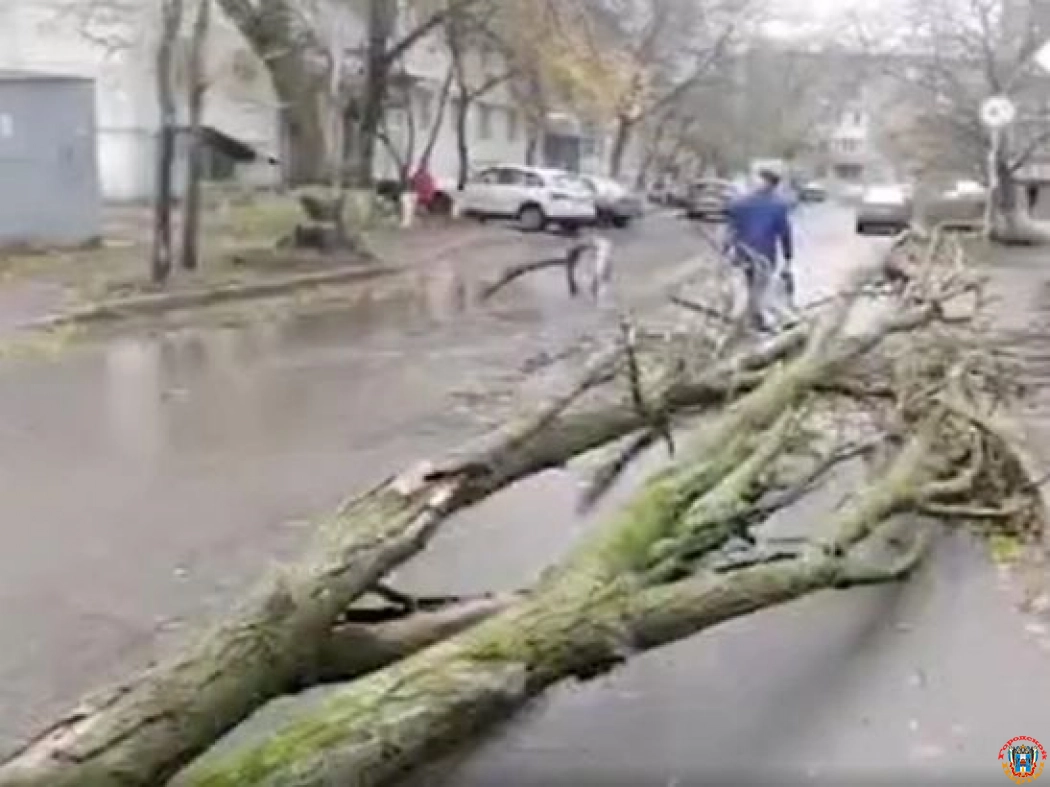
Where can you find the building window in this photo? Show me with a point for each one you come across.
(484, 121)
(512, 125)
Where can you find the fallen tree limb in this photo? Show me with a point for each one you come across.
(141, 733)
(703, 477)
(353, 649)
(373, 731)
(283, 636)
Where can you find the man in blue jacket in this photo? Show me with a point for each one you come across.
(759, 228)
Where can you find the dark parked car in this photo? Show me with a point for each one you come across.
(709, 199)
(961, 206)
(814, 191)
(885, 208)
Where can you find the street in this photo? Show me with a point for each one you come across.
(146, 482)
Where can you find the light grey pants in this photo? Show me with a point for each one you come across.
(758, 272)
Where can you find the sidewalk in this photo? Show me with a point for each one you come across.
(46, 288)
(1019, 284)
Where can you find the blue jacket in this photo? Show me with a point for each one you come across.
(759, 222)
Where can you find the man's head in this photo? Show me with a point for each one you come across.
(768, 181)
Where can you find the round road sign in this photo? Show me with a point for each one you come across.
(998, 112)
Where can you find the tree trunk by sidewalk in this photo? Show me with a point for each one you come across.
(622, 138)
(164, 197)
(284, 45)
(436, 124)
(196, 88)
(1013, 222)
(462, 110)
(381, 20)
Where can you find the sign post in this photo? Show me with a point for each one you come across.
(997, 113)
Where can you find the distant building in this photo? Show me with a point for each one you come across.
(49, 192)
(41, 36)
(243, 117)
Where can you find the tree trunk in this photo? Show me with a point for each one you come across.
(437, 123)
(164, 198)
(653, 152)
(462, 144)
(308, 148)
(197, 78)
(534, 135)
(621, 140)
(451, 693)
(1012, 222)
(377, 75)
(287, 49)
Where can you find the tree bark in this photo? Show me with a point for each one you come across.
(276, 34)
(437, 123)
(532, 144)
(462, 145)
(164, 198)
(380, 18)
(624, 128)
(454, 42)
(448, 694)
(197, 85)
(308, 148)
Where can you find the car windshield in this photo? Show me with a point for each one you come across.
(712, 188)
(568, 182)
(886, 195)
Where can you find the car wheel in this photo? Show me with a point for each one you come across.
(531, 218)
(621, 222)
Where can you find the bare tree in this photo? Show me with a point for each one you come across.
(946, 59)
(294, 51)
(197, 85)
(164, 197)
(437, 121)
(670, 47)
(468, 37)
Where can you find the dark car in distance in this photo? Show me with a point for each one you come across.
(885, 208)
(709, 199)
(814, 191)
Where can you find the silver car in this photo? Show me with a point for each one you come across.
(615, 204)
(884, 208)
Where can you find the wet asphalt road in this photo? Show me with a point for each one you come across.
(143, 483)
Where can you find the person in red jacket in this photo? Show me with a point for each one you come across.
(424, 186)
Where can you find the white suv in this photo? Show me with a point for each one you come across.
(532, 195)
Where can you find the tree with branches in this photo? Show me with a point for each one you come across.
(669, 47)
(946, 59)
(196, 87)
(292, 46)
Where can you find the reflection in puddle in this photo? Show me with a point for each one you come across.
(134, 400)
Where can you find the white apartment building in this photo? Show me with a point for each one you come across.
(117, 50)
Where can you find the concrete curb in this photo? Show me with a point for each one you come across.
(142, 305)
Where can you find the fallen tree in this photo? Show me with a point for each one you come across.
(660, 569)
